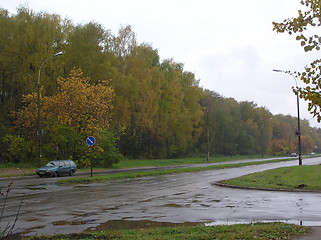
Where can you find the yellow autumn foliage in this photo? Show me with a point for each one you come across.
(79, 104)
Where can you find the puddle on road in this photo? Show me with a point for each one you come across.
(129, 224)
(173, 205)
(199, 196)
(42, 186)
(111, 208)
(205, 205)
(91, 215)
(71, 223)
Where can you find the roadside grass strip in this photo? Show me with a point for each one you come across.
(177, 161)
(297, 178)
(135, 175)
(259, 231)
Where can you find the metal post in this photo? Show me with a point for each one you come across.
(39, 129)
(208, 136)
(91, 161)
(262, 135)
(299, 130)
(298, 133)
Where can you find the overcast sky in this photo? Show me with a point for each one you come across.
(229, 45)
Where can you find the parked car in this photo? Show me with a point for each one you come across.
(293, 155)
(57, 168)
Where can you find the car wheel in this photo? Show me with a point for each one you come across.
(55, 174)
(72, 172)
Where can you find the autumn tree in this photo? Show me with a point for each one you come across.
(78, 104)
(180, 112)
(26, 39)
(281, 146)
(87, 49)
(157, 107)
(307, 144)
(302, 27)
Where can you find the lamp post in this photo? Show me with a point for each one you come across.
(39, 130)
(208, 136)
(298, 132)
(262, 135)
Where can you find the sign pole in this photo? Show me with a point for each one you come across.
(91, 161)
(91, 142)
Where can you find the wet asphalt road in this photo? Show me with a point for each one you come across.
(189, 197)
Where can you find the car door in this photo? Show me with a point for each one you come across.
(67, 167)
(62, 168)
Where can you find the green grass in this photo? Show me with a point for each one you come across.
(259, 231)
(290, 178)
(130, 175)
(177, 161)
(17, 165)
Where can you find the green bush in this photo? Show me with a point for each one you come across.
(110, 154)
(18, 150)
(64, 142)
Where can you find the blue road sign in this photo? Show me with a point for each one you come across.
(90, 141)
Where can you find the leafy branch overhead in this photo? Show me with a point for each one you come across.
(302, 25)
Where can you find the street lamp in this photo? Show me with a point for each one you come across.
(39, 131)
(208, 135)
(262, 135)
(298, 132)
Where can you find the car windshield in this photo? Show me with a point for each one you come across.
(50, 164)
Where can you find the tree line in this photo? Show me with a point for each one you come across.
(110, 86)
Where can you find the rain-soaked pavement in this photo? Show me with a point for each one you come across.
(179, 198)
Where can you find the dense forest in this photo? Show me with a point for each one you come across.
(120, 91)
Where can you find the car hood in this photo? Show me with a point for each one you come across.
(44, 168)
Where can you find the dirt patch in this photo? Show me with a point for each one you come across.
(15, 171)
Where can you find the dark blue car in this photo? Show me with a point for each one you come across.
(57, 168)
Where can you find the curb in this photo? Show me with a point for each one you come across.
(220, 184)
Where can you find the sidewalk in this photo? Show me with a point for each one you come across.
(314, 235)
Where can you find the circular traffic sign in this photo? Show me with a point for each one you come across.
(90, 141)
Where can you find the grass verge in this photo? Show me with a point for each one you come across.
(179, 161)
(286, 178)
(260, 231)
(11, 170)
(130, 175)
